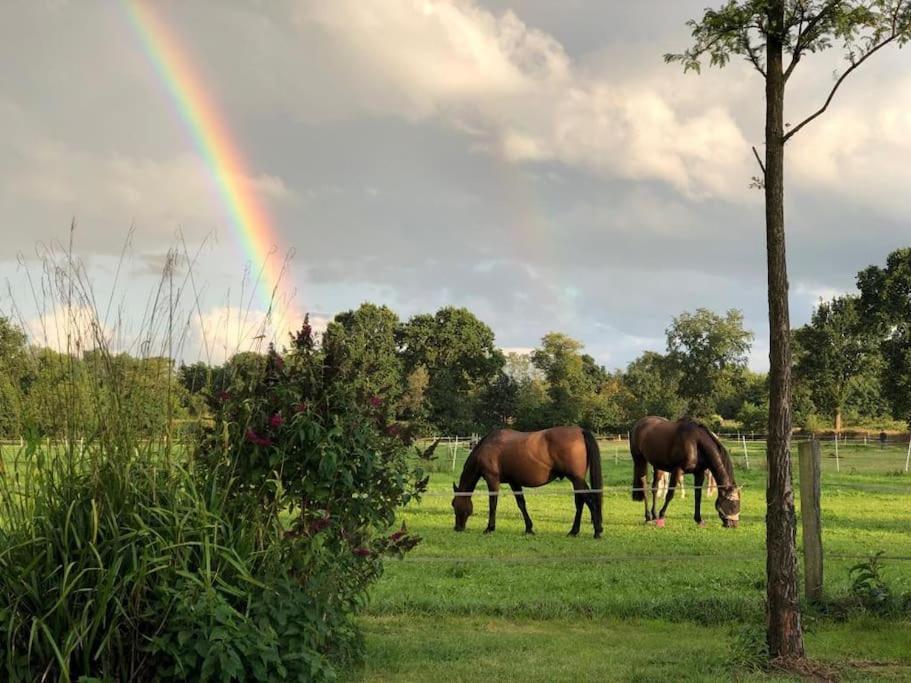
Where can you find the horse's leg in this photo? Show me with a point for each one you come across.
(656, 475)
(578, 485)
(670, 493)
(493, 486)
(591, 500)
(520, 501)
(698, 479)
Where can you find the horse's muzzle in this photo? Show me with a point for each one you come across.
(729, 523)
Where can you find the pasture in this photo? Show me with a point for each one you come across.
(642, 602)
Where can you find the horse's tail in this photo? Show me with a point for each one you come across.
(640, 468)
(593, 455)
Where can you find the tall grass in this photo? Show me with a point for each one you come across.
(103, 531)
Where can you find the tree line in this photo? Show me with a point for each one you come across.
(444, 373)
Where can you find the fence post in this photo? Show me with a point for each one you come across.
(837, 462)
(810, 461)
(455, 451)
(746, 455)
(908, 457)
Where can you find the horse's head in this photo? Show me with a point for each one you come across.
(728, 505)
(462, 507)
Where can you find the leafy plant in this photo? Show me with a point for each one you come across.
(869, 586)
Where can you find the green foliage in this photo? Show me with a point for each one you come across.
(753, 417)
(749, 649)
(460, 356)
(869, 586)
(838, 358)
(653, 385)
(740, 28)
(885, 300)
(360, 352)
(243, 559)
(708, 351)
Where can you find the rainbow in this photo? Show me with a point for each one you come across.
(209, 130)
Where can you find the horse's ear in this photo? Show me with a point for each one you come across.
(455, 489)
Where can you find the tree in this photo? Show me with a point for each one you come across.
(709, 351)
(569, 375)
(14, 374)
(839, 354)
(461, 358)
(763, 32)
(652, 385)
(885, 303)
(360, 350)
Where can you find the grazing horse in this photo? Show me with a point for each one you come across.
(521, 459)
(684, 446)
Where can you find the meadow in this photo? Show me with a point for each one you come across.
(641, 603)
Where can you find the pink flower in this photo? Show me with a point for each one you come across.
(300, 408)
(376, 401)
(397, 535)
(393, 430)
(256, 439)
(362, 552)
(276, 420)
(223, 396)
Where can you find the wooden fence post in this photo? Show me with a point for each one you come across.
(810, 460)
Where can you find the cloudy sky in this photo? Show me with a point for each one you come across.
(535, 161)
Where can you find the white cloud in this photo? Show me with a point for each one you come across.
(221, 332)
(516, 89)
(69, 329)
(860, 148)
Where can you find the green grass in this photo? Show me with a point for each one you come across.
(456, 649)
(660, 602)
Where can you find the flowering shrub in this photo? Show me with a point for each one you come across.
(320, 475)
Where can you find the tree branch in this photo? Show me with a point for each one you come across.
(819, 112)
(800, 44)
(759, 161)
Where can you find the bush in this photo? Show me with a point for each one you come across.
(242, 558)
(753, 417)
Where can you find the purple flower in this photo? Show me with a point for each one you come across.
(319, 524)
(376, 401)
(362, 552)
(223, 396)
(256, 439)
(397, 535)
(276, 420)
(300, 408)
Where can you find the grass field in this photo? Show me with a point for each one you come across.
(640, 603)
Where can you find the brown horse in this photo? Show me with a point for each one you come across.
(521, 459)
(684, 446)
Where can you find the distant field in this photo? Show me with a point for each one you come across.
(639, 604)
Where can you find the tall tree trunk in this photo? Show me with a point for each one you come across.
(838, 420)
(784, 634)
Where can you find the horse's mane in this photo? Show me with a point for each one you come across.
(472, 455)
(727, 463)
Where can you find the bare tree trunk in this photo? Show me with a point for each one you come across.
(784, 633)
(838, 420)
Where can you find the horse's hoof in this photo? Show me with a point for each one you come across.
(597, 534)
(659, 523)
(701, 525)
(488, 530)
(573, 532)
(529, 532)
